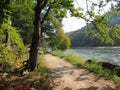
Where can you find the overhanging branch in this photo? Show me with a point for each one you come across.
(45, 15)
(43, 4)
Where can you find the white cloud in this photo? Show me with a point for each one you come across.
(72, 24)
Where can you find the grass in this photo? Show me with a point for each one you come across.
(71, 57)
(94, 66)
(41, 75)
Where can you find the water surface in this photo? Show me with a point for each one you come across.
(111, 54)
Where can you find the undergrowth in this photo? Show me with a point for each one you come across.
(11, 59)
(41, 76)
(95, 66)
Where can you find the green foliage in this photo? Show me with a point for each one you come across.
(41, 74)
(101, 29)
(2, 34)
(60, 41)
(22, 18)
(70, 56)
(116, 31)
(104, 36)
(10, 58)
(41, 67)
(116, 78)
(97, 68)
(60, 8)
(102, 33)
(51, 24)
(14, 36)
(58, 53)
(4, 10)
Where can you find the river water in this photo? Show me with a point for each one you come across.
(111, 54)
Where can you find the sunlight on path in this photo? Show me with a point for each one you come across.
(69, 77)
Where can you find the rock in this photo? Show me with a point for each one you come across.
(89, 61)
(112, 67)
(107, 65)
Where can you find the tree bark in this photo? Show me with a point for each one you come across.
(7, 41)
(35, 39)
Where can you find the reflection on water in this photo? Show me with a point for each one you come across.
(111, 54)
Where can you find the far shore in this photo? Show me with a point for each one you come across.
(96, 47)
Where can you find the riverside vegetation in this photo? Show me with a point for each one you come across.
(94, 66)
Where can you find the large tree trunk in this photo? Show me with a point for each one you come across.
(37, 33)
(35, 39)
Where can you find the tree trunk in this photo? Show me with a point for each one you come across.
(7, 41)
(35, 40)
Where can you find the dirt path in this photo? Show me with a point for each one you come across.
(69, 77)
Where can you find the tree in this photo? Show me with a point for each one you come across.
(8, 33)
(22, 15)
(100, 27)
(4, 14)
(14, 38)
(4, 10)
(59, 41)
(116, 31)
(59, 8)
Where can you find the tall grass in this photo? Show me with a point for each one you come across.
(41, 76)
(70, 56)
(41, 67)
(94, 66)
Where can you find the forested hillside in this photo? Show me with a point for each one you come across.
(81, 37)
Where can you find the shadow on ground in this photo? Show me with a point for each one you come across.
(24, 83)
(60, 71)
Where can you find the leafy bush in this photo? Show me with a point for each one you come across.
(10, 57)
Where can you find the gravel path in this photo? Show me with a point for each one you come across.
(69, 77)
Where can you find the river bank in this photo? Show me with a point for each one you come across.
(93, 67)
(109, 54)
(66, 76)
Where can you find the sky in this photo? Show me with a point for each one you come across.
(73, 23)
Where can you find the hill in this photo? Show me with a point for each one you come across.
(80, 37)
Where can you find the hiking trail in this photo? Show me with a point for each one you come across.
(69, 77)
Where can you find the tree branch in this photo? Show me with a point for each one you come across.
(45, 15)
(43, 4)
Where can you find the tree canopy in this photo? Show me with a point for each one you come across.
(59, 41)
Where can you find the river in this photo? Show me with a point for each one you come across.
(110, 54)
